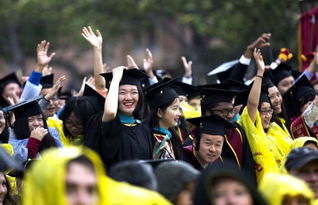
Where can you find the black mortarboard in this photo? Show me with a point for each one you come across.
(26, 109)
(267, 80)
(263, 96)
(90, 92)
(11, 78)
(65, 95)
(160, 93)
(130, 77)
(217, 95)
(211, 124)
(236, 85)
(282, 71)
(183, 89)
(47, 81)
(223, 72)
(300, 93)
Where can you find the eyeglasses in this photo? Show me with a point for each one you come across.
(265, 112)
(225, 112)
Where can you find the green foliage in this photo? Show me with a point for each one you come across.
(235, 23)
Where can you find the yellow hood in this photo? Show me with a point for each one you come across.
(275, 186)
(300, 142)
(43, 184)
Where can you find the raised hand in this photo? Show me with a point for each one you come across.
(131, 62)
(95, 39)
(118, 72)
(260, 42)
(187, 67)
(38, 133)
(90, 81)
(259, 60)
(106, 68)
(43, 58)
(148, 62)
(57, 85)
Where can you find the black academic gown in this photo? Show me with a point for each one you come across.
(115, 142)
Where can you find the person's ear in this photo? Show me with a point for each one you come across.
(159, 113)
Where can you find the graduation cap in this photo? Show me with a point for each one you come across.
(64, 95)
(26, 108)
(211, 124)
(236, 85)
(47, 81)
(160, 93)
(216, 95)
(130, 77)
(90, 92)
(11, 78)
(183, 89)
(281, 71)
(223, 71)
(299, 94)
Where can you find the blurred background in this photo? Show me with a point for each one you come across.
(208, 32)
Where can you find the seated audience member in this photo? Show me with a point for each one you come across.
(279, 189)
(176, 181)
(224, 183)
(74, 175)
(303, 163)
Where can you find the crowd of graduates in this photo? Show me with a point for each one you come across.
(135, 135)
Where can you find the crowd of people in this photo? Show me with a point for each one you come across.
(135, 135)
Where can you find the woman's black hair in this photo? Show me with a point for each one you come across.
(196, 137)
(83, 108)
(153, 122)
(140, 110)
(4, 136)
(183, 127)
(152, 119)
(22, 131)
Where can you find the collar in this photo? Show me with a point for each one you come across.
(126, 119)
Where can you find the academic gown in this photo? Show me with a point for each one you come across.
(115, 142)
(238, 151)
(174, 144)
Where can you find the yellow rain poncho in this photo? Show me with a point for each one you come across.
(267, 153)
(300, 142)
(44, 182)
(275, 187)
(58, 125)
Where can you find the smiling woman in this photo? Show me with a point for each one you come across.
(117, 133)
(164, 116)
(269, 142)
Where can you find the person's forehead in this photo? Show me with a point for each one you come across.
(224, 105)
(209, 137)
(313, 164)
